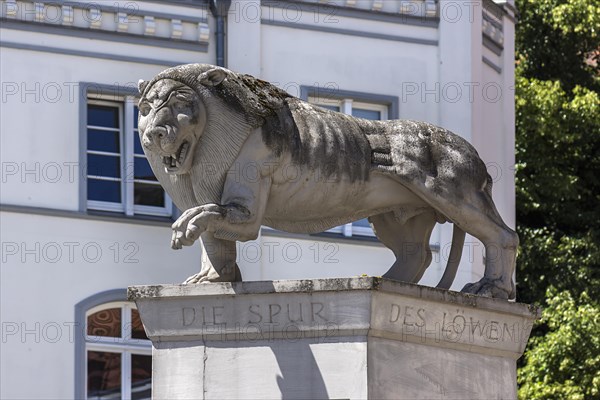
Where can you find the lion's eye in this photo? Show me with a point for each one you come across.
(183, 96)
(144, 109)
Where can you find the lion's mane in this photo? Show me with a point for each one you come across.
(256, 99)
(239, 103)
(330, 142)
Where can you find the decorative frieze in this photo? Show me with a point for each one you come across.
(420, 8)
(406, 7)
(377, 5)
(95, 18)
(431, 8)
(203, 32)
(416, 8)
(149, 25)
(39, 12)
(176, 29)
(67, 15)
(10, 7)
(110, 17)
(492, 29)
(491, 24)
(123, 22)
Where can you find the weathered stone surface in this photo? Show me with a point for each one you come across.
(400, 370)
(236, 153)
(331, 338)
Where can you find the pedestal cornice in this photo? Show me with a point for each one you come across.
(329, 309)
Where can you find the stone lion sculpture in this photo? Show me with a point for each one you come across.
(200, 125)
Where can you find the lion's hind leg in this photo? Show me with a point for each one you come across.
(485, 223)
(473, 210)
(409, 240)
(218, 261)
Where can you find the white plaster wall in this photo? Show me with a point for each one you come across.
(367, 65)
(494, 142)
(40, 129)
(243, 37)
(104, 46)
(40, 168)
(303, 257)
(280, 256)
(508, 203)
(40, 286)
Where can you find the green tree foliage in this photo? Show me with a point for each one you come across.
(556, 37)
(565, 362)
(558, 188)
(558, 194)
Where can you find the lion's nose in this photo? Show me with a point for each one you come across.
(154, 136)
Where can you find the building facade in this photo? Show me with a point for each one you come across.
(82, 216)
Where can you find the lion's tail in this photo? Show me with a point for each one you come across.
(458, 241)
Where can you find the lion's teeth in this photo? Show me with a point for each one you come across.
(183, 153)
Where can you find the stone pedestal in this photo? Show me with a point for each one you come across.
(351, 338)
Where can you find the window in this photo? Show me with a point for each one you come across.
(118, 354)
(360, 109)
(119, 177)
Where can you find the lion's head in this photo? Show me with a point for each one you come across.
(194, 120)
(176, 106)
(173, 117)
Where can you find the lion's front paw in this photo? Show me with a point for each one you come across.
(196, 278)
(488, 288)
(180, 239)
(200, 223)
(192, 223)
(230, 272)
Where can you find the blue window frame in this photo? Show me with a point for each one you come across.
(119, 177)
(113, 356)
(360, 109)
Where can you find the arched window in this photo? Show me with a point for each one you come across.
(115, 355)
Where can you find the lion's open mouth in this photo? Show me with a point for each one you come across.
(176, 160)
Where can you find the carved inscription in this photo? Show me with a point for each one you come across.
(455, 326)
(410, 316)
(309, 312)
(290, 312)
(261, 321)
(212, 315)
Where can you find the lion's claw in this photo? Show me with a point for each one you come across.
(230, 272)
(192, 223)
(196, 278)
(488, 288)
(199, 224)
(178, 240)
